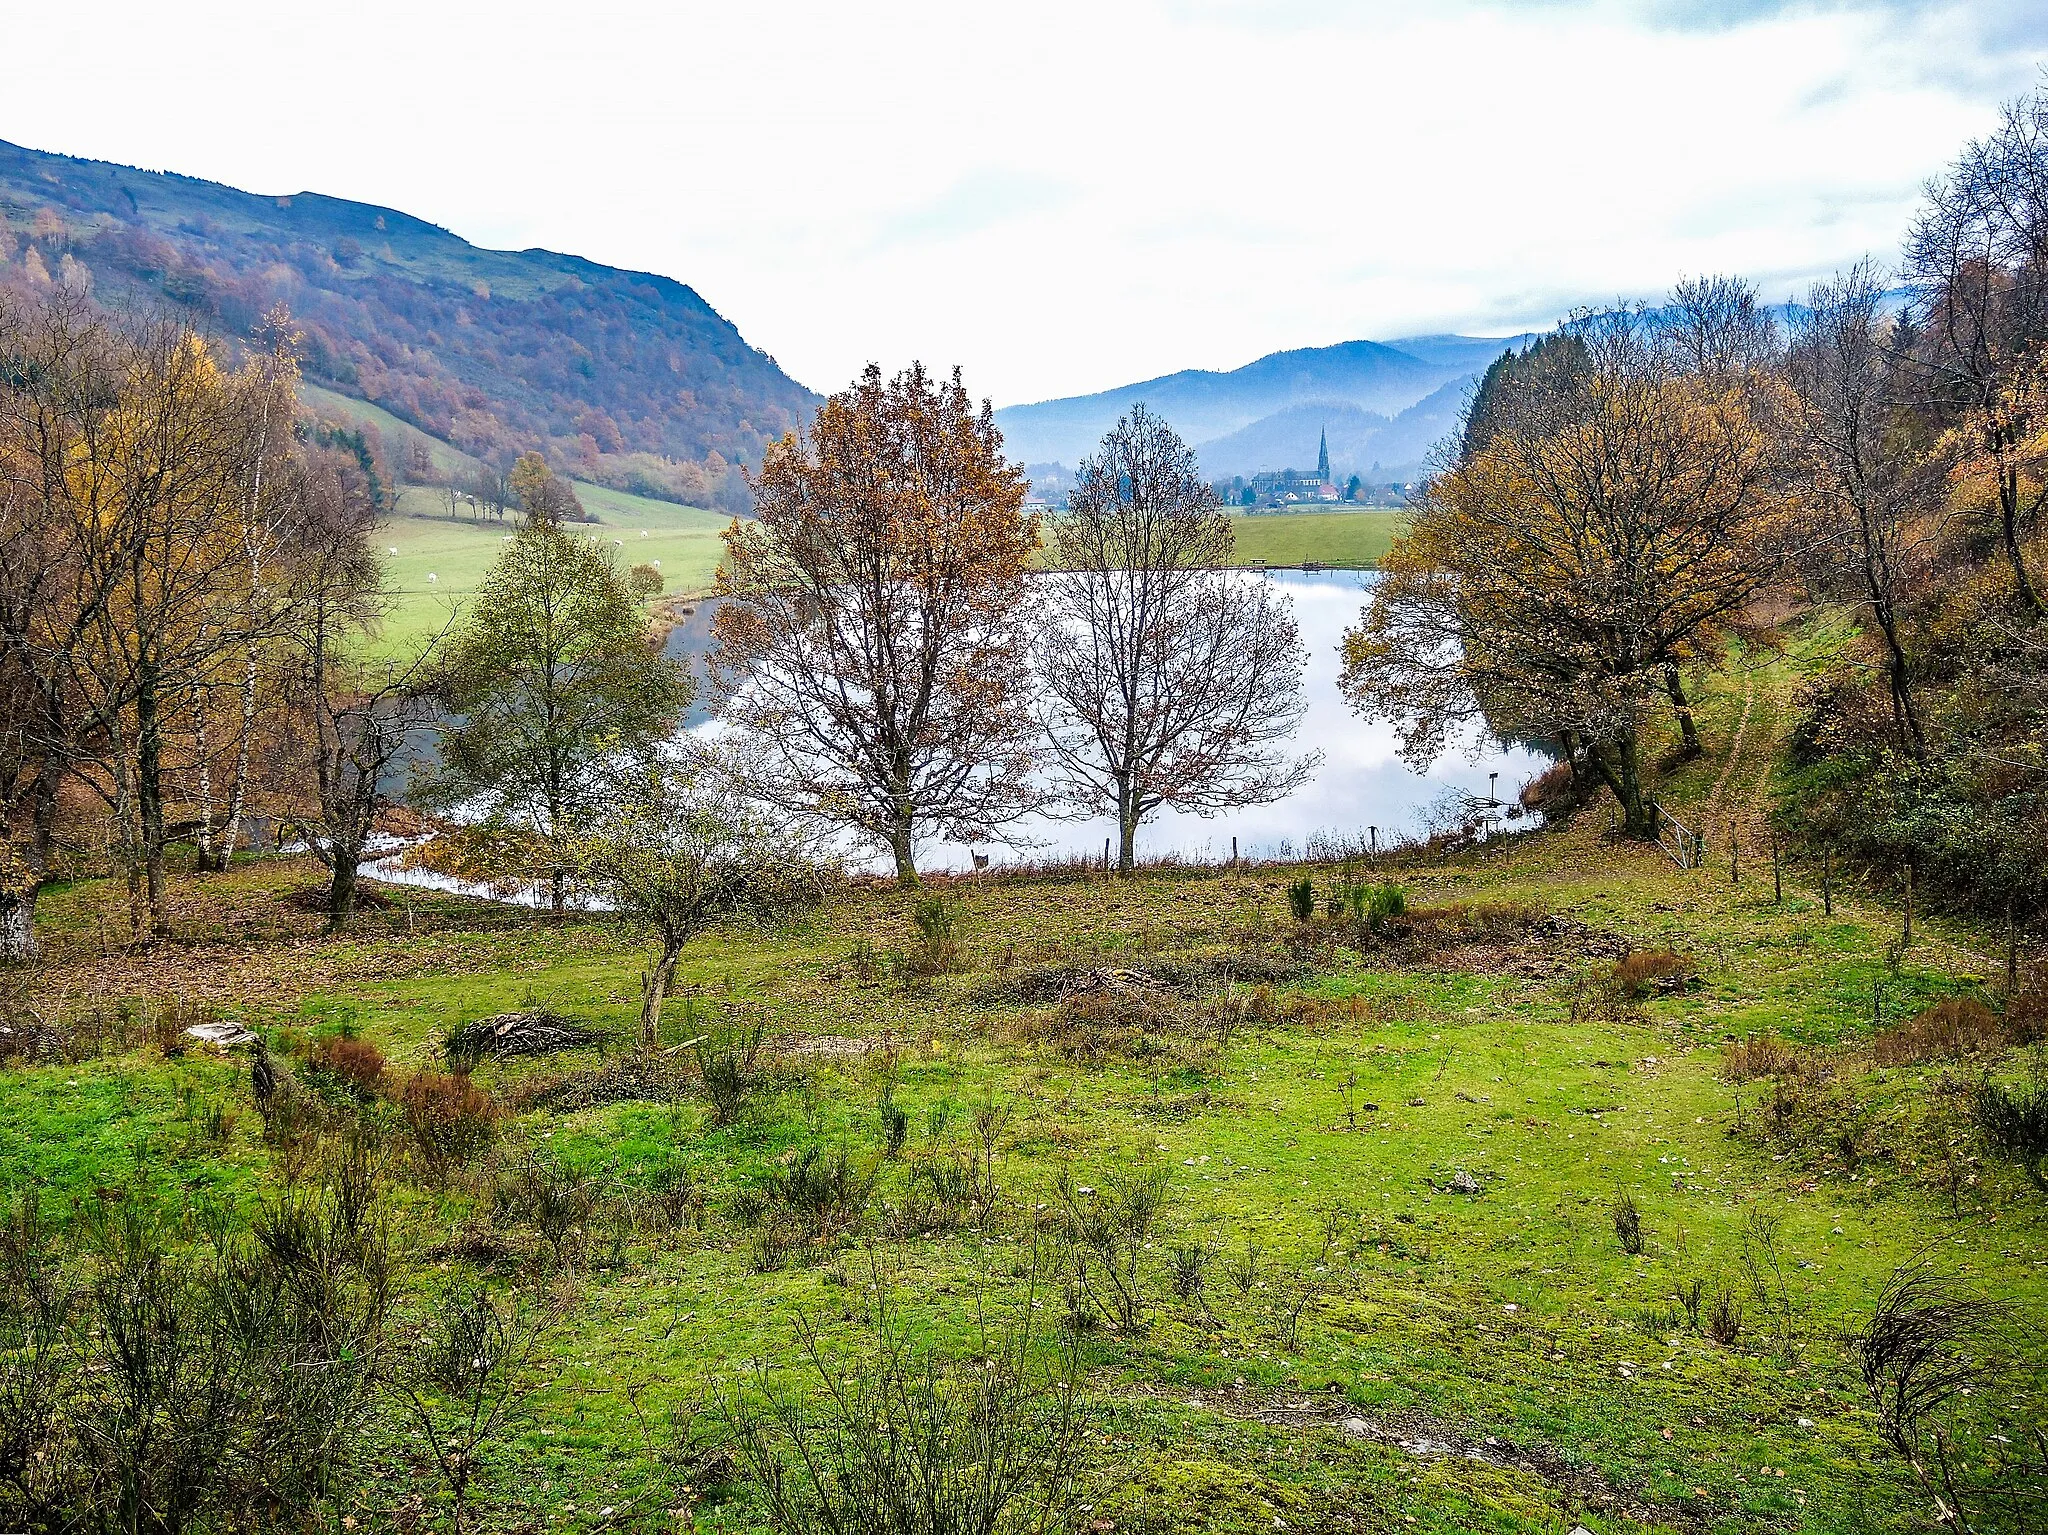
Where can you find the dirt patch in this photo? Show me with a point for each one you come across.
(1426, 1436)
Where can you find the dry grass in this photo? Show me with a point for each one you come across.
(1948, 1031)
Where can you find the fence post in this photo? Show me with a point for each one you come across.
(1734, 859)
(2012, 953)
(1233, 852)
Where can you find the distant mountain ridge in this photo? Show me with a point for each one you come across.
(1384, 403)
(626, 378)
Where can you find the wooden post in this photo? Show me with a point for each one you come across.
(2012, 954)
(1105, 856)
(1777, 875)
(1374, 831)
(1827, 888)
(1734, 859)
(1876, 1006)
(1233, 852)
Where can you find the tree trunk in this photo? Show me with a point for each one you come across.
(906, 861)
(555, 885)
(1621, 767)
(1688, 732)
(149, 802)
(341, 891)
(18, 923)
(238, 789)
(654, 983)
(1126, 830)
(202, 746)
(2009, 517)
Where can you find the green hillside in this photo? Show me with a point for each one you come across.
(493, 351)
(436, 551)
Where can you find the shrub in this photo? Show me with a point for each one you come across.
(1724, 1318)
(1952, 1028)
(2014, 1121)
(450, 1118)
(1301, 899)
(937, 921)
(216, 1383)
(899, 1442)
(1109, 1230)
(1756, 1055)
(1654, 972)
(811, 1199)
(355, 1063)
(1628, 1224)
(728, 1057)
(1188, 1265)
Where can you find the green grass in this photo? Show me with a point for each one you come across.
(1357, 539)
(422, 538)
(1513, 1314)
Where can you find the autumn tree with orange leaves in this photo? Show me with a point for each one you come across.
(1608, 533)
(871, 649)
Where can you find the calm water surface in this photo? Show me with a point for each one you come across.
(1362, 781)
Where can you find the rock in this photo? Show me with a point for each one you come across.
(1357, 1428)
(226, 1035)
(1463, 1182)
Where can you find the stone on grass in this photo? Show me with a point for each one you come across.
(1463, 1182)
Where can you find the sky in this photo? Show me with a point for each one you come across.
(1066, 195)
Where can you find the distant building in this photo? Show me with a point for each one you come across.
(1292, 487)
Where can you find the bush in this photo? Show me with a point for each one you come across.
(2014, 1121)
(211, 1378)
(355, 1063)
(1760, 1055)
(813, 1198)
(1108, 1230)
(1301, 899)
(449, 1117)
(1949, 1030)
(728, 1057)
(1628, 1224)
(937, 920)
(899, 1442)
(1654, 972)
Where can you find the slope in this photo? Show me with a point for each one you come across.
(628, 379)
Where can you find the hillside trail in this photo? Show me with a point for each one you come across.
(1738, 810)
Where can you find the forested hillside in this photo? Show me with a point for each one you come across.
(624, 378)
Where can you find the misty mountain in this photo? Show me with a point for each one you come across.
(625, 378)
(1204, 405)
(1361, 442)
(1251, 418)
(1471, 354)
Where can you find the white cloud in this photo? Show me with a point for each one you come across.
(1075, 193)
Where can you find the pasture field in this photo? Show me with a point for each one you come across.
(1396, 1160)
(435, 556)
(1353, 539)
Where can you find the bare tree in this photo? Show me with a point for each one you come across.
(871, 650)
(1977, 262)
(1879, 525)
(680, 849)
(357, 720)
(1168, 680)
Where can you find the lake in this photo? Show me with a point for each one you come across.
(1362, 781)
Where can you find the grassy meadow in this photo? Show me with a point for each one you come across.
(1369, 1349)
(435, 553)
(1354, 539)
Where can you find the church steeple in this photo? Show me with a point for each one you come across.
(1323, 458)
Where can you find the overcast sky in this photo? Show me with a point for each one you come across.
(1065, 195)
